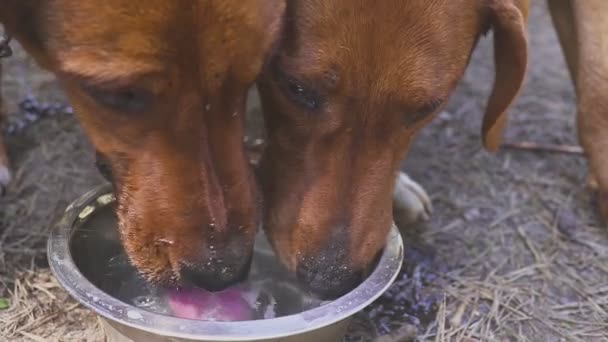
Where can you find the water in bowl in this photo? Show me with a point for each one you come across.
(269, 291)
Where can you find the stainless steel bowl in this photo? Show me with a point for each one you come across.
(80, 265)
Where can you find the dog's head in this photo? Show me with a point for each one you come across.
(352, 83)
(160, 89)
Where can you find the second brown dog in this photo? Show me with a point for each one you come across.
(353, 83)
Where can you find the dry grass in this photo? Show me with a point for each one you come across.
(37, 304)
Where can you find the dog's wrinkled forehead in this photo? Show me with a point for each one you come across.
(124, 35)
(392, 43)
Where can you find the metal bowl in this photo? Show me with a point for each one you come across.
(80, 264)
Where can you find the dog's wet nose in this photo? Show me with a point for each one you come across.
(214, 278)
(328, 278)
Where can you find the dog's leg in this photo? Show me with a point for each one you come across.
(582, 27)
(411, 203)
(5, 175)
(563, 21)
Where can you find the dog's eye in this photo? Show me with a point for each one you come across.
(423, 112)
(124, 100)
(298, 92)
(301, 94)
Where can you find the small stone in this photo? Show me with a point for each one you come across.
(567, 222)
(445, 116)
(471, 214)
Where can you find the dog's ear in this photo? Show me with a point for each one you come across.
(22, 19)
(508, 19)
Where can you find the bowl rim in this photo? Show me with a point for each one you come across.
(85, 292)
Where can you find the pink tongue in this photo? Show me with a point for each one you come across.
(199, 304)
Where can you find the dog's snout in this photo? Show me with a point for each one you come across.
(329, 274)
(215, 270)
(214, 278)
(328, 280)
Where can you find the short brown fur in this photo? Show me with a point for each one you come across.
(186, 195)
(328, 173)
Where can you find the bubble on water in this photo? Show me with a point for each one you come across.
(144, 301)
(134, 315)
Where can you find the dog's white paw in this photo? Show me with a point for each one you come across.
(411, 203)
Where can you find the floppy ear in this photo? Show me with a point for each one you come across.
(508, 20)
(22, 20)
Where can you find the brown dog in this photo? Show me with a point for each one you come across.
(160, 89)
(353, 82)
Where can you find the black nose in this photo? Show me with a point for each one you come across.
(214, 278)
(328, 278)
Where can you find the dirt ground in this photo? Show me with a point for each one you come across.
(514, 250)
